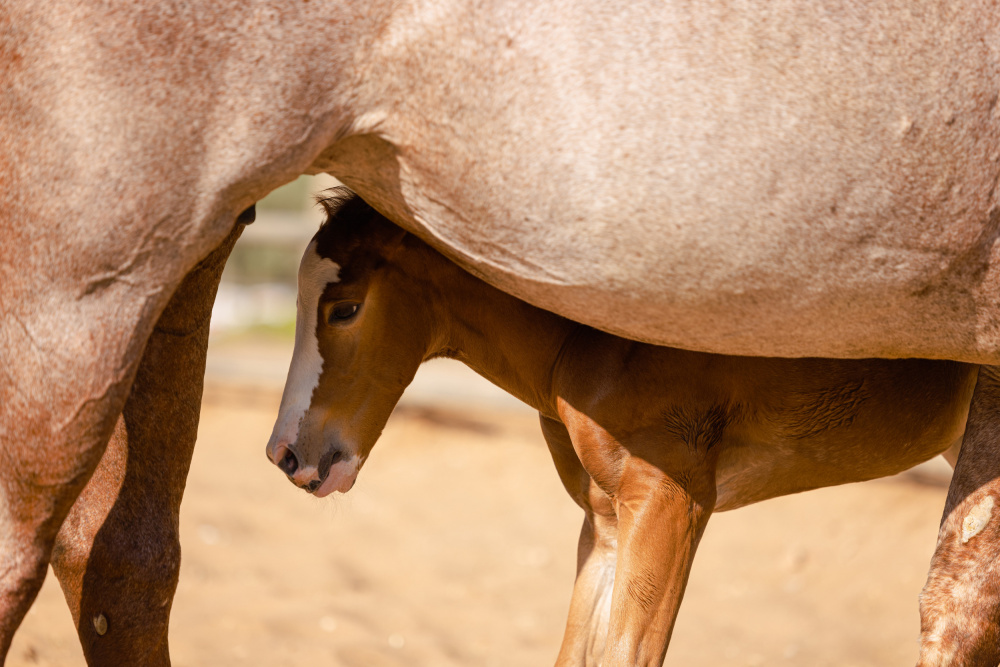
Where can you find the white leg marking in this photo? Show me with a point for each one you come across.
(977, 518)
(315, 273)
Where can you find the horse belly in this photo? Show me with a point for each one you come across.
(767, 180)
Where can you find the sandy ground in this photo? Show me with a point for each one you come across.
(457, 548)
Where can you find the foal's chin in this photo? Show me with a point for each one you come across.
(341, 477)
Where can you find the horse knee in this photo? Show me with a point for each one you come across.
(119, 584)
(960, 603)
(111, 561)
(31, 511)
(121, 561)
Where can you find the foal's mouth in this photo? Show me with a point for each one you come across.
(339, 473)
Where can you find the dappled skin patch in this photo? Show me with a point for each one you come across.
(643, 588)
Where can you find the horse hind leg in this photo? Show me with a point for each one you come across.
(118, 553)
(960, 603)
(57, 412)
(78, 310)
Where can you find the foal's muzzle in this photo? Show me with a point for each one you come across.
(307, 478)
(289, 463)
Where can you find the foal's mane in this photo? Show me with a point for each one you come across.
(341, 205)
(332, 199)
(350, 224)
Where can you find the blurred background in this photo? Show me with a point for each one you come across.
(457, 545)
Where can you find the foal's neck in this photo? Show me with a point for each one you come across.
(511, 343)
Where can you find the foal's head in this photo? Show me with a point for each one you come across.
(364, 325)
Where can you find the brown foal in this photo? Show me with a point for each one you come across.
(648, 440)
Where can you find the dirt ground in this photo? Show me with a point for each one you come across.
(457, 548)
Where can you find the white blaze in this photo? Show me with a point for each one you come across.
(315, 273)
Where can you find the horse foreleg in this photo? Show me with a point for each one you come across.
(35, 500)
(960, 603)
(117, 555)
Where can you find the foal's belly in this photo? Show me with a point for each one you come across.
(897, 431)
(743, 482)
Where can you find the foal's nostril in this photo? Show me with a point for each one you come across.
(288, 464)
(337, 456)
(312, 486)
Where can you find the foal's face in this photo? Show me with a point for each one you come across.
(361, 331)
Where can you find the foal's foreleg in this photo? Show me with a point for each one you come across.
(960, 604)
(663, 491)
(118, 553)
(661, 518)
(590, 607)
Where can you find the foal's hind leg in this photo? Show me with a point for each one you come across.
(118, 553)
(590, 607)
(960, 604)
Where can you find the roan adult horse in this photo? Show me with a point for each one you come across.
(765, 178)
(648, 440)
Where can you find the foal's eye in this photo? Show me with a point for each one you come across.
(342, 311)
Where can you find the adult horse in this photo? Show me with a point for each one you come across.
(779, 179)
